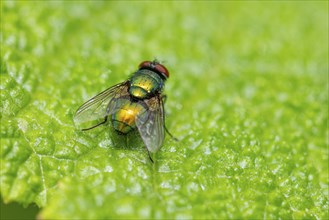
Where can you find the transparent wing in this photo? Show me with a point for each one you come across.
(150, 124)
(98, 107)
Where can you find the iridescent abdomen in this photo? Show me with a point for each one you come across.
(124, 116)
(145, 83)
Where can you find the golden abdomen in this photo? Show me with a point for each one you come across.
(125, 113)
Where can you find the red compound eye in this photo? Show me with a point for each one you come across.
(162, 69)
(155, 66)
(145, 64)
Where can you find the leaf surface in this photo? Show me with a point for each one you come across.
(246, 97)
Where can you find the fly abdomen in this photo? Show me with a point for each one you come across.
(122, 127)
(124, 116)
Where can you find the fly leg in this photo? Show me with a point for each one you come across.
(149, 155)
(172, 136)
(164, 98)
(103, 122)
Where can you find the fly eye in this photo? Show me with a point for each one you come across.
(145, 64)
(162, 69)
(154, 65)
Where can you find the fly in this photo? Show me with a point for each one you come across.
(137, 103)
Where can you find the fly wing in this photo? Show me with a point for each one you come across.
(150, 124)
(99, 106)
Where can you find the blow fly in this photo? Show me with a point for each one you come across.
(137, 103)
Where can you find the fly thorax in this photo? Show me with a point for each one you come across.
(144, 83)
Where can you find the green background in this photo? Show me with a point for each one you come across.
(247, 97)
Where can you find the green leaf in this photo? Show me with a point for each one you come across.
(247, 97)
